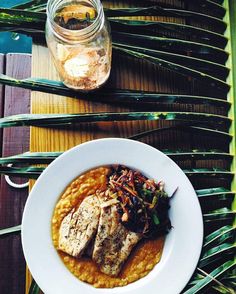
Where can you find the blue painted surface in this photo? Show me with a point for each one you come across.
(22, 44)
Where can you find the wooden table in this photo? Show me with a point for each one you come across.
(127, 73)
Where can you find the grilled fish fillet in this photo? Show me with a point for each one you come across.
(113, 242)
(79, 227)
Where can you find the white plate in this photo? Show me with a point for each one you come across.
(182, 245)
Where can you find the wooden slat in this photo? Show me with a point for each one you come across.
(16, 101)
(12, 201)
(2, 65)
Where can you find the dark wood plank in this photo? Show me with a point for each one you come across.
(2, 66)
(12, 201)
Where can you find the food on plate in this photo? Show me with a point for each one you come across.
(113, 242)
(79, 227)
(109, 225)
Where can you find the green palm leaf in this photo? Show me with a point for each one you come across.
(212, 200)
(216, 253)
(210, 68)
(221, 214)
(208, 172)
(219, 271)
(223, 289)
(34, 172)
(68, 119)
(219, 236)
(171, 53)
(198, 50)
(162, 29)
(22, 18)
(34, 288)
(212, 82)
(184, 128)
(33, 24)
(218, 1)
(156, 10)
(177, 46)
(23, 172)
(30, 5)
(31, 158)
(197, 154)
(213, 191)
(216, 283)
(47, 157)
(11, 230)
(230, 280)
(111, 95)
(36, 8)
(212, 8)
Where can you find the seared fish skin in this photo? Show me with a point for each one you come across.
(79, 227)
(113, 242)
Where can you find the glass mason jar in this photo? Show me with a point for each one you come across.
(81, 44)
